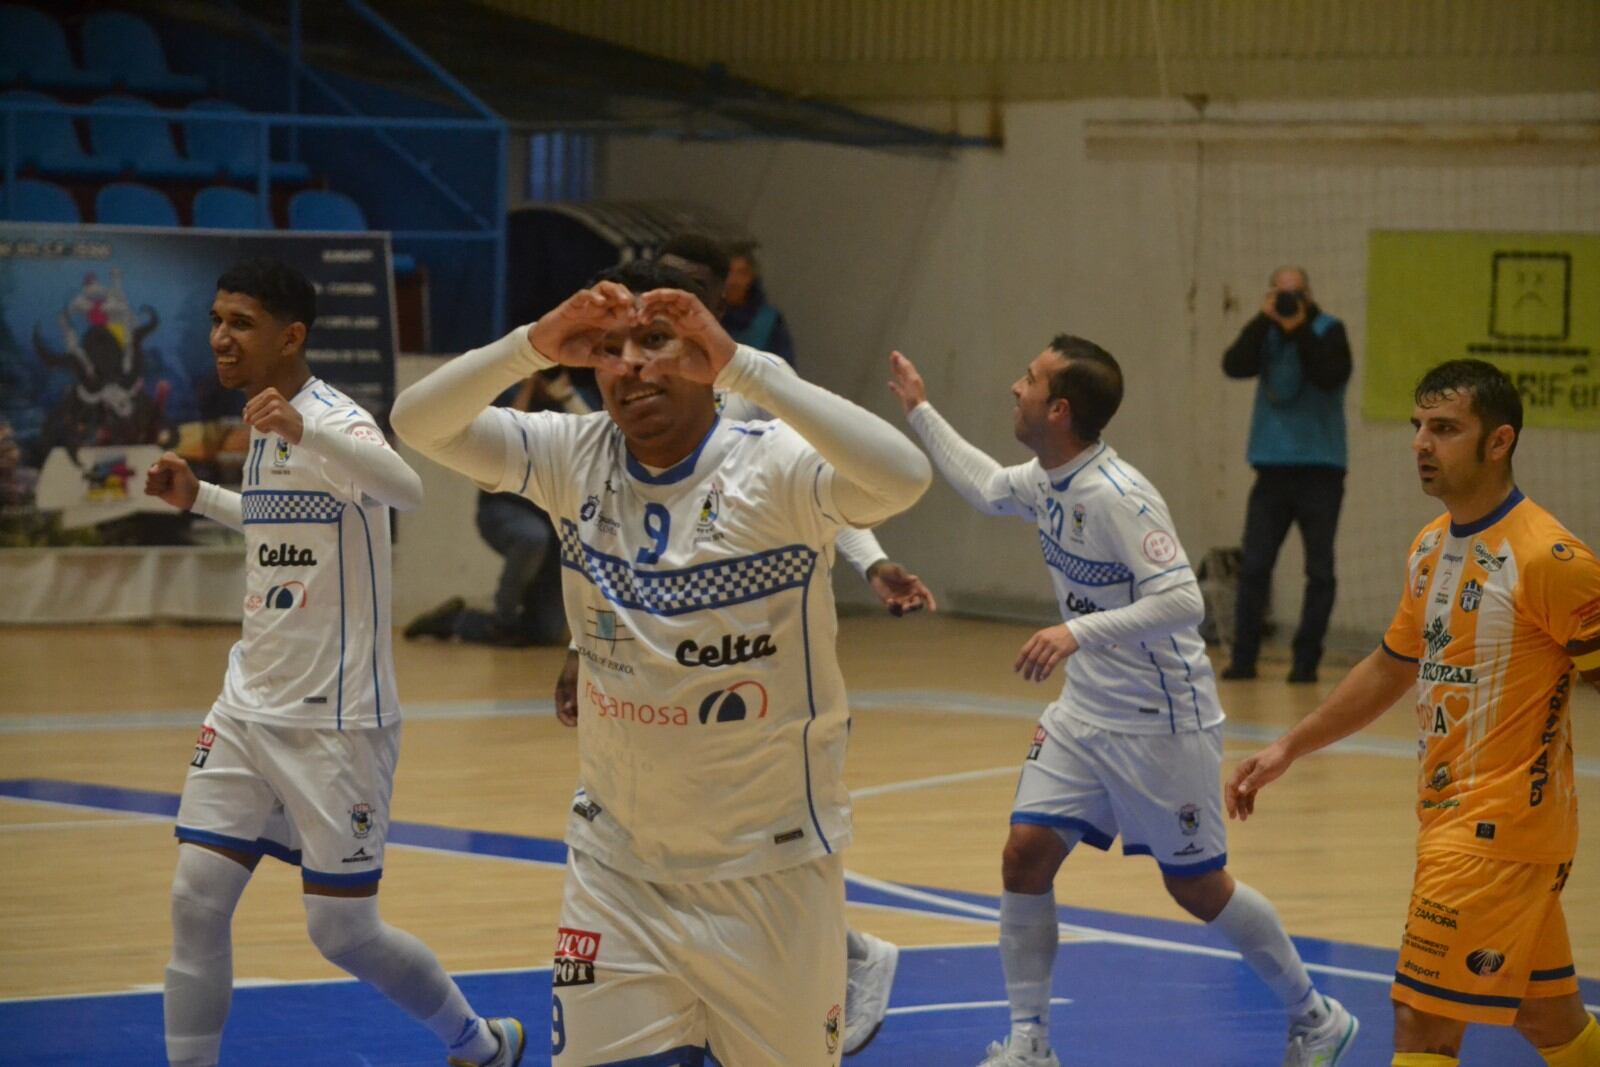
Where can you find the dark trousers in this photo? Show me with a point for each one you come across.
(1309, 496)
(527, 600)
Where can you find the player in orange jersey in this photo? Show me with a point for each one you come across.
(1501, 607)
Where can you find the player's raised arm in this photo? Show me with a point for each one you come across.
(354, 448)
(171, 479)
(447, 415)
(1369, 690)
(878, 472)
(981, 481)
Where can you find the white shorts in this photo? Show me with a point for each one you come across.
(315, 798)
(1161, 792)
(654, 973)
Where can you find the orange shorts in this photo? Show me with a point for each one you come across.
(1481, 936)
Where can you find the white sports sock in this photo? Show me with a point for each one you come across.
(199, 978)
(1029, 934)
(1249, 921)
(349, 933)
(855, 946)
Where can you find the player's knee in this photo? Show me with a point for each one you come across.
(1416, 1031)
(1548, 1022)
(205, 891)
(340, 926)
(1029, 861)
(1203, 896)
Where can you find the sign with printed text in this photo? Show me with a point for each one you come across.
(1527, 302)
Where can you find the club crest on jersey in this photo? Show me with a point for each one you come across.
(1189, 819)
(740, 701)
(280, 454)
(830, 1029)
(1437, 636)
(590, 507)
(1486, 559)
(361, 819)
(1440, 777)
(705, 527)
(1471, 595)
(1078, 514)
(1485, 961)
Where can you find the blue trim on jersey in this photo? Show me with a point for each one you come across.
(318, 396)
(289, 507)
(261, 846)
(1555, 974)
(1161, 676)
(1131, 480)
(678, 471)
(1403, 659)
(702, 587)
(1188, 676)
(811, 706)
(527, 470)
(338, 707)
(1094, 572)
(746, 431)
(372, 569)
(1179, 870)
(1061, 486)
(682, 1056)
(1468, 529)
(1107, 476)
(325, 878)
(1093, 836)
(1158, 574)
(1480, 999)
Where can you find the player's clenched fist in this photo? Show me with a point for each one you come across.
(906, 383)
(171, 479)
(269, 412)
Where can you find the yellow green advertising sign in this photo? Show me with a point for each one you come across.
(1527, 302)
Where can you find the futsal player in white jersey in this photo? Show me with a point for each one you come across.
(704, 900)
(871, 961)
(1133, 745)
(296, 759)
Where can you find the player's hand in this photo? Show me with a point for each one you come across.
(269, 412)
(900, 591)
(1269, 308)
(1250, 775)
(703, 347)
(567, 690)
(171, 479)
(574, 334)
(1043, 651)
(905, 382)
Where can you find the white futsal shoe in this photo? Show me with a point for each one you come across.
(1037, 1053)
(513, 1040)
(866, 996)
(1325, 1045)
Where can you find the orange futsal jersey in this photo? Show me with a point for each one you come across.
(1489, 613)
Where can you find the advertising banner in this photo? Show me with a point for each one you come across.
(105, 362)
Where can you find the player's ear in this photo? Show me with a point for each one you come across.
(294, 337)
(1060, 413)
(1501, 438)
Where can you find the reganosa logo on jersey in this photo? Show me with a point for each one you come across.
(746, 699)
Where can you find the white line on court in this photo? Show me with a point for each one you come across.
(112, 820)
(963, 1005)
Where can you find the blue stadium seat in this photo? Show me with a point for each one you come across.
(49, 143)
(141, 143)
(233, 147)
(324, 209)
(132, 204)
(34, 46)
(30, 200)
(220, 207)
(125, 47)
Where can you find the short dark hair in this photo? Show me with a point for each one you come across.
(286, 293)
(643, 275)
(1494, 396)
(1091, 382)
(700, 248)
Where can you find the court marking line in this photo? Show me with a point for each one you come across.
(914, 701)
(963, 1005)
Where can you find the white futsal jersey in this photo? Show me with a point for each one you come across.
(315, 651)
(1107, 540)
(712, 715)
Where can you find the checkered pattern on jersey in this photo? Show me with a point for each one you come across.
(1098, 572)
(290, 506)
(700, 588)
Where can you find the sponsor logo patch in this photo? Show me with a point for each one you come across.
(1486, 559)
(286, 555)
(1485, 961)
(1038, 742)
(830, 1029)
(731, 650)
(1562, 551)
(202, 746)
(1160, 547)
(740, 701)
(575, 956)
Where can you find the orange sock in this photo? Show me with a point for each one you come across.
(1581, 1051)
(1423, 1059)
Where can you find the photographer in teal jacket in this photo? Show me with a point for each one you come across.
(1301, 359)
